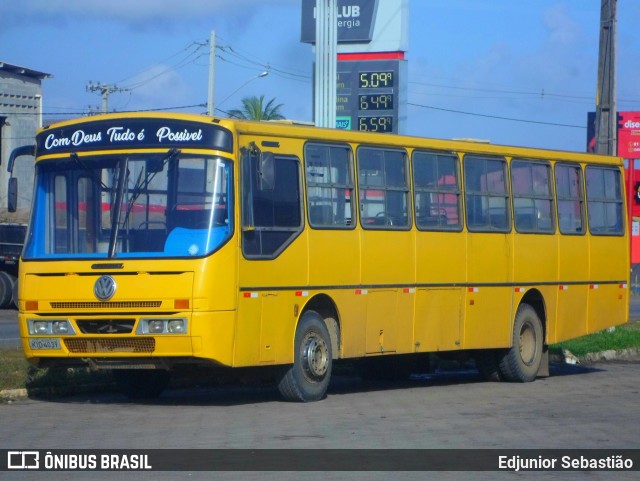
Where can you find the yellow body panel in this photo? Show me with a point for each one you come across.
(488, 301)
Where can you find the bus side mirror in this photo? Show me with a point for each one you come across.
(267, 171)
(12, 197)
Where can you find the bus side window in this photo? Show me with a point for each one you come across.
(383, 188)
(487, 194)
(329, 178)
(437, 191)
(532, 196)
(570, 195)
(604, 201)
(272, 218)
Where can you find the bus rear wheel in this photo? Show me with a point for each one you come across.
(307, 379)
(522, 362)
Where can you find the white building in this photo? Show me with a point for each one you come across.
(20, 117)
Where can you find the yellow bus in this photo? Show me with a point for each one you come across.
(168, 241)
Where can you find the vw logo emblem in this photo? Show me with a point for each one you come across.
(105, 288)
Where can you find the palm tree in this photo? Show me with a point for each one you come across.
(253, 108)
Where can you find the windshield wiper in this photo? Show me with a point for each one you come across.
(141, 185)
(123, 171)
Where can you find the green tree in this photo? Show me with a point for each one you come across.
(254, 108)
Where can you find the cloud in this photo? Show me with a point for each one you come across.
(563, 30)
(130, 12)
(159, 85)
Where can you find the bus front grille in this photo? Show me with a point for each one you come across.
(89, 345)
(106, 326)
(105, 305)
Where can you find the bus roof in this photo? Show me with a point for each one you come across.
(306, 131)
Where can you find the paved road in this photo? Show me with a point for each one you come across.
(577, 407)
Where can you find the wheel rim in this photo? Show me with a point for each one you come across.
(315, 356)
(528, 344)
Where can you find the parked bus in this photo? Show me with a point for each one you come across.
(166, 241)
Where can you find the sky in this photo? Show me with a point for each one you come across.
(509, 71)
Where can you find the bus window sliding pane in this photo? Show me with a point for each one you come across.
(487, 194)
(604, 201)
(532, 196)
(437, 192)
(329, 185)
(570, 199)
(384, 188)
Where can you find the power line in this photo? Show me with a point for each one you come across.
(246, 55)
(189, 46)
(542, 93)
(76, 113)
(497, 117)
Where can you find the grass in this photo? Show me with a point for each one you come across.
(17, 373)
(622, 337)
(13, 373)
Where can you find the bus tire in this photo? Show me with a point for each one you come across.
(6, 287)
(488, 365)
(522, 362)
(141, 383)
(307, 379)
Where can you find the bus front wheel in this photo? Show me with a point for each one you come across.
(522, 362)
(308, 377)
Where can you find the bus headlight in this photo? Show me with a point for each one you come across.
(162, 326)
(176, 326)
(155, 326)
(60, 327)
(52, 327)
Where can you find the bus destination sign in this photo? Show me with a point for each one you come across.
(138, 133)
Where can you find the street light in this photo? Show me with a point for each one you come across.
(260, 75)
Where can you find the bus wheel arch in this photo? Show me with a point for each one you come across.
(534, 298)
(326, 308)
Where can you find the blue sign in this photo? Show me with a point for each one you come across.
(343, 123)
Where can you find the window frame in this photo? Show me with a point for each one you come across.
(426, 190)
(330, 185)
(533, 196)
(487, 194)
(581, 199)
(620, 201)
(406, 189)
(245, 169)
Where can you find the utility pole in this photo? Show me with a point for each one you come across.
(105, 90)
(212, 61)
(606, 116)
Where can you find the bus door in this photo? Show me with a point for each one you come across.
(273, 265)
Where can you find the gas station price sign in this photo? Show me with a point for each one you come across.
(368, 93)
(376, 101)
(375, 80)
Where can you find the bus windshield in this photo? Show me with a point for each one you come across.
(128, 205)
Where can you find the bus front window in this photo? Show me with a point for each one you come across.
(130, 206)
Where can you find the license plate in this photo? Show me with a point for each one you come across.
(45, 343)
